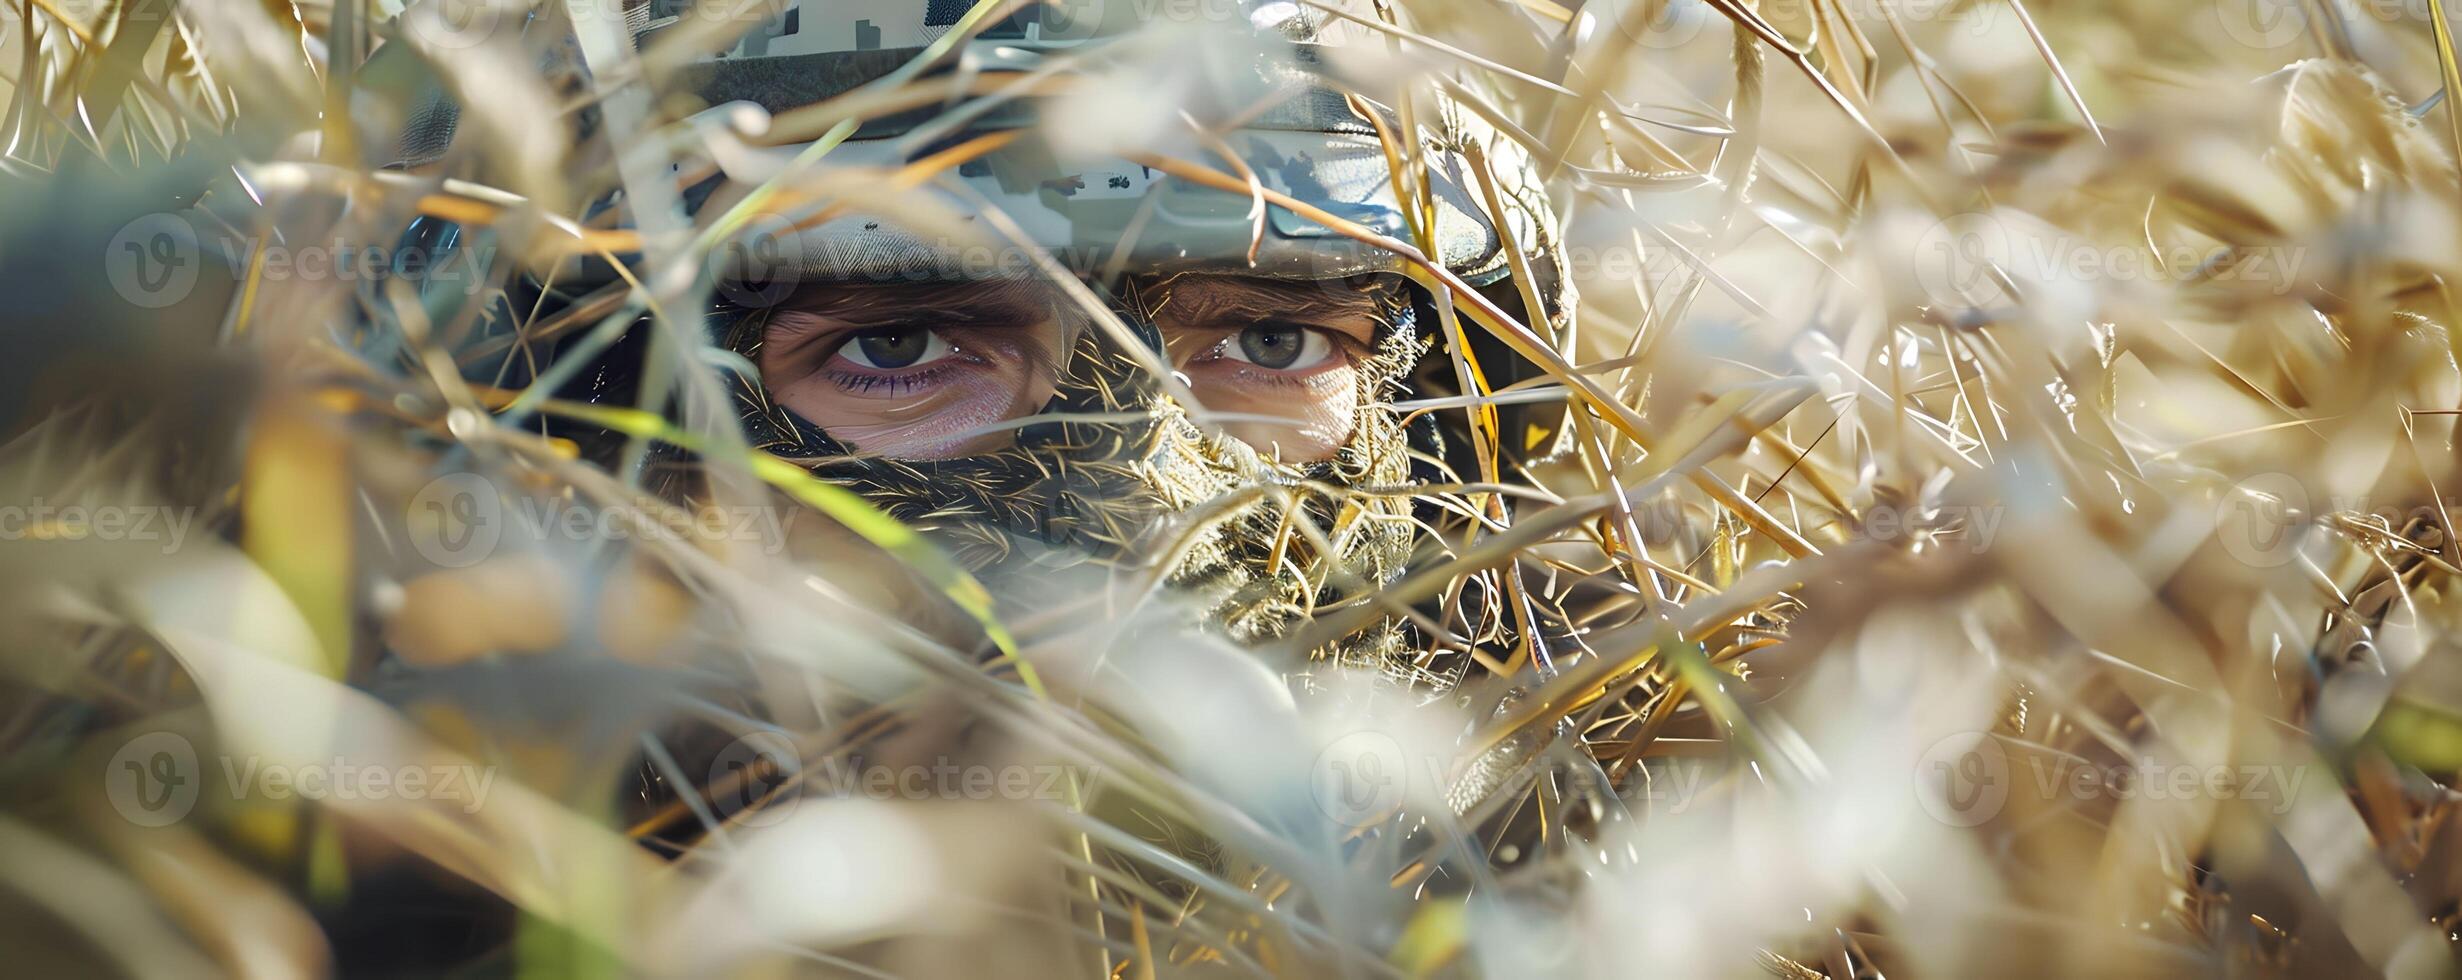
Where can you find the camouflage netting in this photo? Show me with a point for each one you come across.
(1963, 493)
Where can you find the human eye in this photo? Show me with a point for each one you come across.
(909, 379)
(890, 348)
(1277, 347)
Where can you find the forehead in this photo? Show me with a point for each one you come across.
(1180, 297)
(982, 295)
(1214, 297)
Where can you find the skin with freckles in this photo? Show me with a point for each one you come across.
(929, 371)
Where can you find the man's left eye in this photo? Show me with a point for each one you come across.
(1278, 346)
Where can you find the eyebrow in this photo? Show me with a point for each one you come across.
(810, 315)
(973, 301)
(1231, 303)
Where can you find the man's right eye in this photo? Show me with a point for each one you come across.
(1279, 347)
(915, 376)
(891, 348)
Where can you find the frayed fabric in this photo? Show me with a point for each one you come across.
(1114, 472)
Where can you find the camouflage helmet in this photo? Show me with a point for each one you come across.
(1271, 86)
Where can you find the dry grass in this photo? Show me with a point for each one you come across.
(1973, 402)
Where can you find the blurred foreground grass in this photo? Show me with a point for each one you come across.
(2012, 541)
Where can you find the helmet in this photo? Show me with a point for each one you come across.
(1264, 93)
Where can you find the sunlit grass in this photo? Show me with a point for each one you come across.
(2000, 523)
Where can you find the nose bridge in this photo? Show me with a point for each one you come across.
(1097, 449)
(1105, 395)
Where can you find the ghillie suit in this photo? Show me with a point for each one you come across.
(1113, 485)
(1121, 476)
(1705, 734)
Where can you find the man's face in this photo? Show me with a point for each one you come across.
(937, 371)
(998, 418)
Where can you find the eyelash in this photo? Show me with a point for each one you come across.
(1344, 352)
(898, 384)
(1277, 379)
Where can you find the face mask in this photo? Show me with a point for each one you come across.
(1111, 470)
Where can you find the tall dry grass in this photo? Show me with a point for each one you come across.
(2002, 530)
